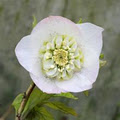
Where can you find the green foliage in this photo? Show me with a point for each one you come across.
(34, 23)
(101, 61)
(101, 56)
(16, 103)
(35, 106)
(67, 95)
(86, 93)
(80, 21)
(36, 97)
(39, 113)
(62, 107)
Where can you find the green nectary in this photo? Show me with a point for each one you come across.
(61, 57)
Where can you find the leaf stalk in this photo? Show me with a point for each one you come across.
(24, 101)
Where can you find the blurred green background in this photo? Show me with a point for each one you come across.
(16, 21)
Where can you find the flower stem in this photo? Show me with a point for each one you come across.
(24, 101)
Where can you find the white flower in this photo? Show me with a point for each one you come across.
(61, 56)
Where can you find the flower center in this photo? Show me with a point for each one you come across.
(60, 57)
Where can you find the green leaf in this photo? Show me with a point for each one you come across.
(80, 21)
(62, 107)
(45, 114)
(86, 93)
(39, 113)
(67, 95)
(101, 56)
(16, 103)
(34, 21)
(36, 97)
(102, 63)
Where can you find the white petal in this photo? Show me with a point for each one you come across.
(66, 42)
(26, 53)
(51, 72)
(45, 84)
(77, 54)
(83, 79)
(47, 55)
(77, 63)
(54, 42)
(27, 50)
(47, 64)
(57, 25)
(72, 66)
(92, 36)
(73, 48)
(42, 82)
(58, 41)
(49, 46)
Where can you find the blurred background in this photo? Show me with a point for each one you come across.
(16, 22)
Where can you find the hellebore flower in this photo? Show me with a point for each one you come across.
(61, 56)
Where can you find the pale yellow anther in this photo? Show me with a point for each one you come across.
(60, 57)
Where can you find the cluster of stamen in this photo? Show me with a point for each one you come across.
(61, 57)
